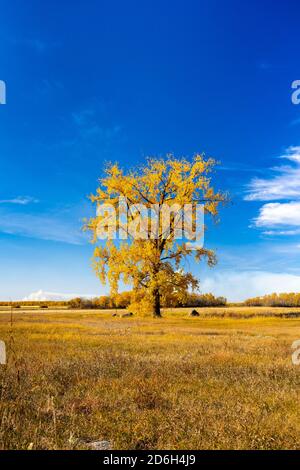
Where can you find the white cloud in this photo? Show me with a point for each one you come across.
(238, 286)
(41, 295)
(20, 200)
(53, 227)
(282, 232)
(276, 213)
(284, 185)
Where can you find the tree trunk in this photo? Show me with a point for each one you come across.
(156, 304)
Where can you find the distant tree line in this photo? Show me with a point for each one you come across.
(169, 300)
(275, 300)
(35, 303)
(124, 300)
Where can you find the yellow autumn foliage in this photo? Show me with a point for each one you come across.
(152, 264)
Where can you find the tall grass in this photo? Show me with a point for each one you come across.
(203, 383)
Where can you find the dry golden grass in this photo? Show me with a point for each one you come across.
(178, 382)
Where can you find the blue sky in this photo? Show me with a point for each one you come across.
(91, 81)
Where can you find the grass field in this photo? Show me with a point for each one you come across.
(224, 380)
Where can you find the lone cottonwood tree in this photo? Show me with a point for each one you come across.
(152, 265)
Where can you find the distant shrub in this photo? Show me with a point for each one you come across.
(81, 303)
(196, 300)
(105, 301)
(75, 303)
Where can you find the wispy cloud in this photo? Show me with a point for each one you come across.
(87, 124)
(50, 86)
(90, 128)
(279, 214)
(53, 227)
(239, 168)
(285, 184)
(282, 232)
(19, 200)
(83, 117)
